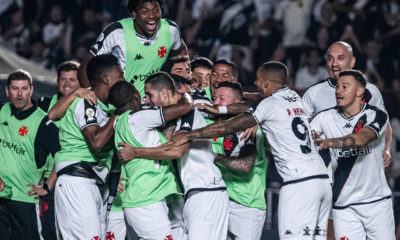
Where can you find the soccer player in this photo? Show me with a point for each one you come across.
(142, 44)
(85, 156)
(149, 182)
(179, 66)
(202, 67)
(321, 96)
(205, 212)
(305, 197)
(27, 137)
(68, 83)
(223, 70)
(244, 166)
(354, 132)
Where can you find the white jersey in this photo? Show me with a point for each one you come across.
(321, 96)
(284, 123)
(144, 126)
(197, 169)
(112, 40)
(358, 172)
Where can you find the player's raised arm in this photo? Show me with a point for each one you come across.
(183, 107)
(128, 153)
(360, 139)
(82, 76)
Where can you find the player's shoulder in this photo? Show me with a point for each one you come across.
(374, 109)
(318, 85)
(171, 23)
(111, 28)
(325, 113)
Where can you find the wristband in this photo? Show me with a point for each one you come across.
(46, 187)
(222, 110)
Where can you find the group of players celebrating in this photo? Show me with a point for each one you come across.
(149, 154)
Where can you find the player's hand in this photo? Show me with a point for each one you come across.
(121, 187)
(1, 184)
(88, 95)
(36, 191)
(207, 108)
(178, 139)
(127, 153)
(249, 133)
(318, 141)
(387, 158)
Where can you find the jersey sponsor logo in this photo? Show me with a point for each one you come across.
(142, 77)
(23, 131)
(347, 125)
(138, 57)
(352, 152)
(110, 236)
(5, 123)
(290, 99)
(13, 147)
(162, 51)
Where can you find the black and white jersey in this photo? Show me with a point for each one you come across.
(321, 96)
(358, 172)
(112, 40)
(197, 168)
(285, 124)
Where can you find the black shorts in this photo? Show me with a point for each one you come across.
(18, 220)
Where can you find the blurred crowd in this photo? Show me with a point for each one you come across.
(249, 32)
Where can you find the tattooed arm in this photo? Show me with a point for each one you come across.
(360, 139)
(243, 163)
(218, 129)
(233, 109)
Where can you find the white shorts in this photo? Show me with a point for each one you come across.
(151, 221)
(245, 222)
(117, 228)
(175, 207)
(371, 221)
(80, 212)
(206, 215)
(304, 209)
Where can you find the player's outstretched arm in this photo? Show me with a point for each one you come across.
(59, 109)
(244, 162)
(218, 129)
(97, 136)
(233, 109)
(183, 107)
(360, 139)
(128, 153)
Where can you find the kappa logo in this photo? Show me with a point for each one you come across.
(375, 124)
(288, 233)
(307, 231)
(317, 231)
(138, 57)
(186, 125)
(5, 123)
(347, 125)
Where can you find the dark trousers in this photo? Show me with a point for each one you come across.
(48, 216)
(18, 220)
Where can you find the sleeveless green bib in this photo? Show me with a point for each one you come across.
(148, 181)
(17, 161)
(141, 60)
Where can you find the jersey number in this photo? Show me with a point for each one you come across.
(300, 130)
